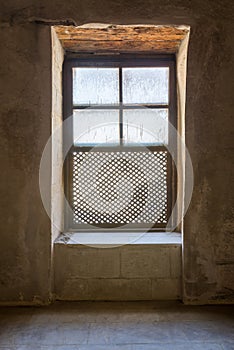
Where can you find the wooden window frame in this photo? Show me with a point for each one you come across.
(120, 61)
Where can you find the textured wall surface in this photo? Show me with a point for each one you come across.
(130, 272)
(25, 126)
(25, 96)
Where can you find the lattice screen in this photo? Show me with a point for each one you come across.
(119, 188)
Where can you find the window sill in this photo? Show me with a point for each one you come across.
(119, 238)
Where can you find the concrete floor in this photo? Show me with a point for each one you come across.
(117, 326)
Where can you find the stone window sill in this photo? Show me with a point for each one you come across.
(119, 238)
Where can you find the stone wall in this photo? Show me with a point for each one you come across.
(26, 94)
(130, 272)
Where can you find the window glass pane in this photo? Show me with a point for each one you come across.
(95, 86)
(145, 85)
(145, 126)
(91, 127)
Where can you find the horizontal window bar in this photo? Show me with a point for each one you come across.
(135, 106)
(119, 148)
(119, 61)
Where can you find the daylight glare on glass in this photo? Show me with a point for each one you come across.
(145, 85)
(95, 86)
(126, 106)
(91, 127)
(145, 126)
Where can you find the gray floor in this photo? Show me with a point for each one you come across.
(117, 326)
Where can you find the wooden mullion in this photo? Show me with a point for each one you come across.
(121, 105)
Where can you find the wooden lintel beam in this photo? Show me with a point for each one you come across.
(121, 38)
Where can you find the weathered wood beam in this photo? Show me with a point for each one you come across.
(120, 46)
(121, 38)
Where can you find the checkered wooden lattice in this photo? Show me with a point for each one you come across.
(119, 188)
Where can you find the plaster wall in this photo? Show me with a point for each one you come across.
(56, 144)
(26, 95)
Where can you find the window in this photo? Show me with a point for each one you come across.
(119, 173)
